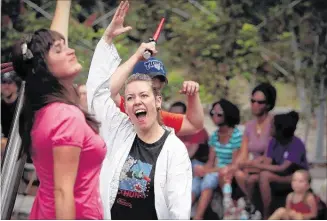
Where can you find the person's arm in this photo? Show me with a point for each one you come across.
(67, 138)
(211, 160)
(288, 201)
(192, 148)
(179, 183)
(264, 158)
(193, 120)
(295, 153)
(312, 203)
(60, 21)
(66, 160)
(243, 152)
(273, 168)
(103, 66)
(118, 79)
(3, 144)
(104, 62)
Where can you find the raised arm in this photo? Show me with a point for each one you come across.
(104, 66)
(106, 58)
(121, 74)
(60, 19)
(115, 28)
(194, 117)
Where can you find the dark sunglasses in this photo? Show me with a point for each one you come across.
(259, 102)
(6, 81)
(216, 114)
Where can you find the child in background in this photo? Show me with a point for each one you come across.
(301, 203)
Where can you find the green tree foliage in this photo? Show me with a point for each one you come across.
(213, 41)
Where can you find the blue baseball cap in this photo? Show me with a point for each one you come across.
(152, 67)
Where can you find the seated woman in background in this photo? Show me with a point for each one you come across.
(256, 137)
(224, 143)
(301, 203)
(286, 153)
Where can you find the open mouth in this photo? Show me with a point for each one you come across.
(140, 114)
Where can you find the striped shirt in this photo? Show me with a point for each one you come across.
(224, 152)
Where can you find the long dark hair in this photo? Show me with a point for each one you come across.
(41, 87)
(231, 112)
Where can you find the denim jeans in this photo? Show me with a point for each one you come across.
(209, 181)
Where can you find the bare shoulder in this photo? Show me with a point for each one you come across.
(289, 196)
(311, 198)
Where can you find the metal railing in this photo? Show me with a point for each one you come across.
(12, 166)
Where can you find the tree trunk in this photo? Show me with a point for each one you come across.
(321, 121)
(310, 92)
(300, 81)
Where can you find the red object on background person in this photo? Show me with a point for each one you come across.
(6, 67)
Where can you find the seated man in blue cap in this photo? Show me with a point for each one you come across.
(189, 123)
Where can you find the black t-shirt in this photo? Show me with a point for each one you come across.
(7, 115)
(135, 197)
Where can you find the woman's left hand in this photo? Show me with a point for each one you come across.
(116, 26)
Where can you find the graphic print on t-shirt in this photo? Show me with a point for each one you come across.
(134, 180)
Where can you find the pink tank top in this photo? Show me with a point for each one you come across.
(300, 207)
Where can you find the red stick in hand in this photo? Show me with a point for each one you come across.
(158, 31)
(147, 54)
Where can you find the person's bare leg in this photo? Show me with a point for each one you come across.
(295, 215)
(252, 180)
(221, 181)
(266, 177)
(280, 213)
(196, 188)
(203, 203)
(241, 177)
(193, 198)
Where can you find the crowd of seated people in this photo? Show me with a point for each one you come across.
(266, 154)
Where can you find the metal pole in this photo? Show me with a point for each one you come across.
(12, 167)
(38, 9)
(104, 17)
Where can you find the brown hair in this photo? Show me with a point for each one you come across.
(41, 87)
(155, 91)
(305, 173)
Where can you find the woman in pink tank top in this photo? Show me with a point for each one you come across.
(256, 137)
(60, 135)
